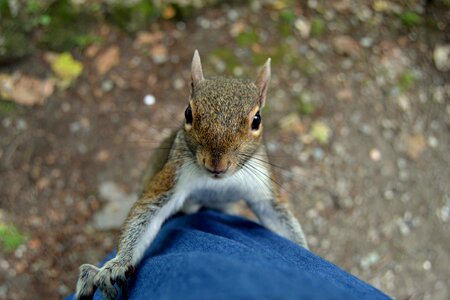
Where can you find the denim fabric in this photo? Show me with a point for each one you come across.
(210, 255)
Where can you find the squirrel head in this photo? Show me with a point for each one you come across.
(223, 122)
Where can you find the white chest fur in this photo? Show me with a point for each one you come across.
(251, 183)
(248, 183)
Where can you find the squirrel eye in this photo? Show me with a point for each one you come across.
(188, 115)
(256, 121)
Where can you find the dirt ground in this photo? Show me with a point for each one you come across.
(357, 123)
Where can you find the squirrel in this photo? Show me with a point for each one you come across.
(217, 157)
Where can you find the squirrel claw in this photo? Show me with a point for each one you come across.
(114, 271)
(85, 285)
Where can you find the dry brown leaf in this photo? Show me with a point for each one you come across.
(25, 90)
(415, 145)
(148, 38)
(346, 45)
(159, 54)
(92, 50)
(107, 60)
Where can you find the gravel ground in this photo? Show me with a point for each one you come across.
(357, 124)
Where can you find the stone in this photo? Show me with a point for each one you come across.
(25, 90)
(441, 57)
(345, 45)
(149, 100)
(115, 211)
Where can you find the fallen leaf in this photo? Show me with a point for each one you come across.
(92, 50)
(321, 132)
(159, 54)
(102, 155)
(381, 5)
(148, 38)
(345, 94)
(237, 27)
(168, 12)
(292, 123)
(66, 68)
(25, 90)
(107, 60)
(34, 243)
(415, 145)
(303, 26)
(346, 45)
(43, 183)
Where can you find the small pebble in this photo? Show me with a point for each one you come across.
(370, 260)
(75, 126)
(6, 122)
(65, 107)
(404, 228)
(178, 83)
(107, 85)
(181, 26)
(444, 213)
(401, 163)
(375, 154)
(426, 265)
(149, 100)
(21, 124)
(238, 71)
(303, 26)
(20, 251)
(204, 23)
(3, 291)
(403, 175)
(232, 15)
(63, 289)
(366, 129)
(389, 195)
(366, 42)
(433, 141)
(82, 148)
(318, 153)
(4, 264)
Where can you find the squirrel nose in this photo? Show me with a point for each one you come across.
(217, 171)
(217, 167)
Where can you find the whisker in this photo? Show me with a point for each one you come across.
(255, 169)
(288, 174)
(251, 172)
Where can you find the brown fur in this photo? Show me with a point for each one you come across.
(221, 140)
(223, 109)
(162, 182)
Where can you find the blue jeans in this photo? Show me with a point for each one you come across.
(210, 255)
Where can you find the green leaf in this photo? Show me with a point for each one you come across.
(410, 19)
(66, 67)
(318, 27)
(247, 38)
(288, 16)
(306, 106)
(45, 20)
(321, 132)
(7, 107)
(10, 237)
(407, 80)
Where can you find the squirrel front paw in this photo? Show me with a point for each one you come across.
(85, 284)
(114, 271)
(91, 278)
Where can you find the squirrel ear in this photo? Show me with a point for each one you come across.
(196, 69)
(262, 82)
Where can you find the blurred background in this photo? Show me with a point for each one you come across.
(357, 123)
